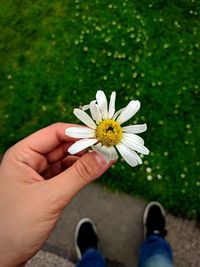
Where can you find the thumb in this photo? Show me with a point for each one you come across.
(65, 185)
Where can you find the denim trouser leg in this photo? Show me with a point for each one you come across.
(92, 258)
(155, 252)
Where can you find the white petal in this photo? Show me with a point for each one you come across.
(98, 148)
(117, 113)
(138, 128)
(129, 111)
(113, 152)
(112, 105)
(85, 118)
(98, 115)
(93, 109)
(109, 153)
(80, 145)
(135, 145)
(102, 103)
(80, 132)
(133, 137)
(127, 154)
(136, 157)
(86, 107)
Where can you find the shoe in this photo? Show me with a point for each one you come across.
(85, 236)
(154, 220)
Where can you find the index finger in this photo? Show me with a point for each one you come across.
(48, 138)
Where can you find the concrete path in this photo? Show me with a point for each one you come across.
(46, 259)
(119, 222)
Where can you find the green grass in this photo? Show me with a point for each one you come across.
(55, 55)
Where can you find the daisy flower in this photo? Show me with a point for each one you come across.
(104, 132)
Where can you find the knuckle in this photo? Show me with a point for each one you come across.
(8, 154)
(84, 170)
(56, 125)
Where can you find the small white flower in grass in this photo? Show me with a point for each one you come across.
(104, 132)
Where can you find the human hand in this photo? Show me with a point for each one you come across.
(30, 202)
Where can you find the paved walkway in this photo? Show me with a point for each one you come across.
(46, 259)
(119, 222)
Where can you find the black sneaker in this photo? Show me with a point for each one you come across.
(85, 236)
(154, 220)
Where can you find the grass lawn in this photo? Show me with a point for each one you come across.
(55, 55)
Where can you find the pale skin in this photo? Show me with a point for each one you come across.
(38, 178)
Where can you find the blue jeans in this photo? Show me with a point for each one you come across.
(155, 252)
(92, 258)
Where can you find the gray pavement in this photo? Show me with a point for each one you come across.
(47, 259)
(119, 222)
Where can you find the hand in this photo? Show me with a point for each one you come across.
(30, 202)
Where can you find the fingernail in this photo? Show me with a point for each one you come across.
(100, 159)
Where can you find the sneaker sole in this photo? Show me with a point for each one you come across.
(78, 252)
(146, 211)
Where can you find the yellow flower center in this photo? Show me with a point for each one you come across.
(109, 132)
